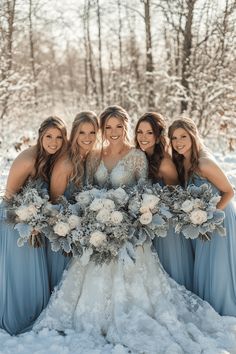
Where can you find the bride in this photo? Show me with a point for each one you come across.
(134, 305)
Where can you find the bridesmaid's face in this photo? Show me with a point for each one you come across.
(86, 137)
(181, 141)
(145, 137)
(52, 140)
(114, 131)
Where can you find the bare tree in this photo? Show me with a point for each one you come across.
(100, 51)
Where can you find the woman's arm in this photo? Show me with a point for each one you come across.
(168, 171)
(60, 178)
(211, 171)
(21, 169)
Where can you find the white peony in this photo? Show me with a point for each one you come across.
(109, 204)
(116, 217)
(97, 238)
(83, 198)
(96, 204)
(198, 216)
(215, 200)
(23, 213)
(74, 221)
(146, 218)
(187, 206)
(61, 228)
(32, 210)
(150, 200)
(103, 216)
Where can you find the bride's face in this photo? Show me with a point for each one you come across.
(114, 131)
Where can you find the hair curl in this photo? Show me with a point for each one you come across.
(74, 149)
(45, 162)
(158, 126)
(190, 127)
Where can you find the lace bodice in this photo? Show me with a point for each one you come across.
(128, 171)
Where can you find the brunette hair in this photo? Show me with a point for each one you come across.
(116, 112)
(158, 126)
(74, 149)
(190, 127)
(45, 162)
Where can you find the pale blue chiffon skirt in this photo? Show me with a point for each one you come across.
(24, 284)
(176, 255)
(215, 267)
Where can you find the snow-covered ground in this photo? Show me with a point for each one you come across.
(50, 341)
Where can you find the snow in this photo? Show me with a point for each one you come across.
(51, 342)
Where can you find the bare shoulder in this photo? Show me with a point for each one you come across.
(167, 162)
(26, 159)
(63, 165)
(206, 165)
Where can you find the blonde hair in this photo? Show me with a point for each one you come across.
(74, 149)
(45, 162)
(190, 127)
(115, 112)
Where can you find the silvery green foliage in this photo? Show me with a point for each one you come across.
(27, 210)
(195, 212)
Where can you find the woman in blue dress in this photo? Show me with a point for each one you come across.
(174, 251)
(24, 286)
(215, 260)
(68, 176)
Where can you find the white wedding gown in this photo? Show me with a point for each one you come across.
(135, 306)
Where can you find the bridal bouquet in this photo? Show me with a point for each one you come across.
(149, 212)
(195, 211)
(27, 210)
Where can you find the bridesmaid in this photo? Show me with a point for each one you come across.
(215, 260)
(24, 286)
(68, 176)
(174, 251)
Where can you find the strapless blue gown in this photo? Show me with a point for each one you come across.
(215, 263)
(176, 255)
(24, 284)
(57, 261)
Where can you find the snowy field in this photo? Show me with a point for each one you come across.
(53, 343)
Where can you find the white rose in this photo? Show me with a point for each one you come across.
(144, 209)
(61, 228)
(187, 206)
(83, 198)
(103, 215)
(22, 213)
(109, 204)
(116, 217)
(74, 221)
(198, 216)
(150, 200)
(32, 210)
(215, 200)
(96, 204)
(97, 238)
(146, 218)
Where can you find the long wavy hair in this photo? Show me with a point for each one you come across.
(158, 125)
(45, 162)
(190, 127)
(74, 149)
(114, 112)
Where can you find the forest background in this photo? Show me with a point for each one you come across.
(171, 56)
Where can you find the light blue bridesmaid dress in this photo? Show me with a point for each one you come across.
(176, 255)
(215, 263)
(57, 261)
(24, 284)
